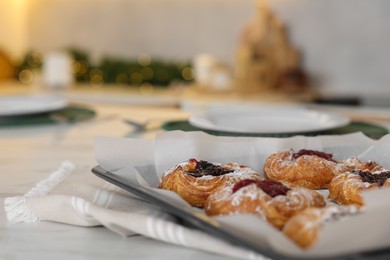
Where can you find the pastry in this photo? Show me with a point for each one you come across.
(304, 227)
(346, 188)
(269, 199)
(306, 168)
(195, 180)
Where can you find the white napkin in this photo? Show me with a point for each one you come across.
(73, 195)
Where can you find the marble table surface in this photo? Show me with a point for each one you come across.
(30, 154)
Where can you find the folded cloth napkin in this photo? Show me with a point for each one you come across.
(73, 195)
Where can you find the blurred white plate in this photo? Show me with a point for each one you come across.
(264, 120)
(30, 104)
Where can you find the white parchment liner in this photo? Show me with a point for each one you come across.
(144, 161)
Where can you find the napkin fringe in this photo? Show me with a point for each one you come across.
(16, 207)
(16, 210)
(45, 186)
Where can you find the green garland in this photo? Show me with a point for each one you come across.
(122, 72)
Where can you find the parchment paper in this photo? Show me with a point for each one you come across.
(144, 161)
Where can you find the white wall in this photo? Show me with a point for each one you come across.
(163, 28)
(345, 42)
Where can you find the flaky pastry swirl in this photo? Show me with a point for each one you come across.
(253, 199)
(306, 168)
(304, 228)
(195, 184)
(347, 187)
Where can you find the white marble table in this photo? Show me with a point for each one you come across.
(30, 154)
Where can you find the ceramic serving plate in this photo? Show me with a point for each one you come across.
(265, 120)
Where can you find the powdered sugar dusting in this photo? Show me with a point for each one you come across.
(300, 196)
(238, 171)
(355, 180)
(172, 169)
(348, 164)
(336, 213)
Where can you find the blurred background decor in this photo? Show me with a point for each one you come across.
(76, 63)
(7, 69)
(265, 57)
(340, 52)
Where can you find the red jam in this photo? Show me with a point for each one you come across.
(326, 156)
(242, 184)
(367, 176)
(201, 168)
(272, 188)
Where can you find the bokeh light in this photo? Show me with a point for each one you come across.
(188, 73)
(144, 59)
(147, 73)
(26, 76)
(35, 59)
(122, 79)
(96, 77)
(80, 67)
(136, 78)
(146, 89)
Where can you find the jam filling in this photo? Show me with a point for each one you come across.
(242, 184)
(202, 168)
(272, 188)
(369, 177)
(326, 156)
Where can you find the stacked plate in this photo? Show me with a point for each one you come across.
(40, 109)
(20, 105)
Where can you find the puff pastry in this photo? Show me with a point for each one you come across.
(269, 199)
(306, 168)
(195, 180)
(346, 188)
(304, 228)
